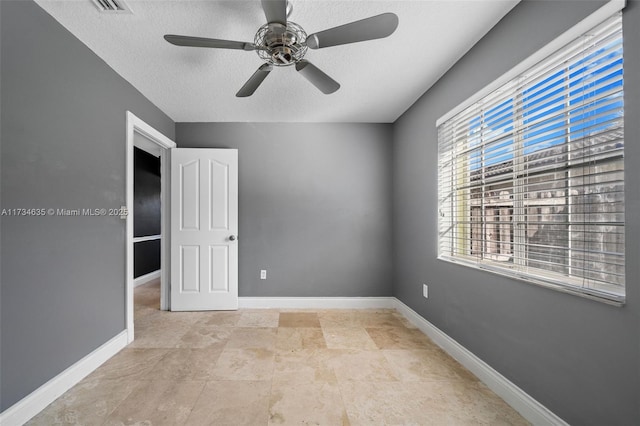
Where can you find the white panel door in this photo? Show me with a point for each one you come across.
(204, 229)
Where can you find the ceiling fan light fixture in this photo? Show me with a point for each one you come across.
(281, 45)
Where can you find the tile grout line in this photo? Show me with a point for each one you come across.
(275, 354)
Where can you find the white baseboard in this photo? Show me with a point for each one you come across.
(317, 302)
(23, 410)
(522, 402)
(143, 279)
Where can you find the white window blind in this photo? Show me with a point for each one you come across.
(531, 177)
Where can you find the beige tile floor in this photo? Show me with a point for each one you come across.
(259, 367)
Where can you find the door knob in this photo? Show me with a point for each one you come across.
(232, 238)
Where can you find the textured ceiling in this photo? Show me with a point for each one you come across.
(379, 79)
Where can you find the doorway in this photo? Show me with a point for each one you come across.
(147, 216)
(144, 137)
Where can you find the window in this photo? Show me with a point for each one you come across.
(531, 176)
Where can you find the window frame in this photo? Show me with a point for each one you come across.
(540, 277)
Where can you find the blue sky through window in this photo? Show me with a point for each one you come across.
(496, 122)
(581, 87)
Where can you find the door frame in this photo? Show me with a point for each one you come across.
(163, 143)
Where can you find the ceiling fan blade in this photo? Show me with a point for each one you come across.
(322, 81)
(256, 79)
(179, 40)
(379, 26)
(275, 11)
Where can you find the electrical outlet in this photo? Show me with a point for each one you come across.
(263, 274)
(425, 291)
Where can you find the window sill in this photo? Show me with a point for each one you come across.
(609, 299)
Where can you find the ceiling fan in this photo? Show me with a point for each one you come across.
(282, 43)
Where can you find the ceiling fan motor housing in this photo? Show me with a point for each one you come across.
(281, 45)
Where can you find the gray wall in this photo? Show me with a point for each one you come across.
(146, 194)
(578, 357)
(63, 146)
(314, 207)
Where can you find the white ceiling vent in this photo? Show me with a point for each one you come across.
(112, 6)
